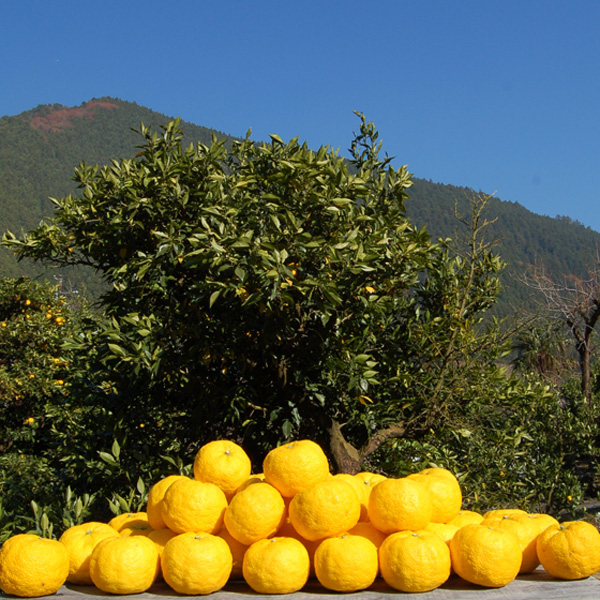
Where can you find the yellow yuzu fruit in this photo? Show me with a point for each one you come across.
(257, 478)
(400, 504)
(155, 498)
(325, 509)
(32, 566)
(160, 537)
(287, 530)
(196, 563)
(446, 495)
(414, 561)
(191, 505)
(570, 550)
(256, 512)
(367, 530)
(135, 527)
(121, 520)
(485, 556)
(80, 540)
(278, 565)
(526, 530)
(346, 563)
(223, 463)
(237, 550)
(466, 517)
(361, 491)
(124, 565)
(540, 521)
(503, 512)
(445, 531)
(294, 466)
(536, 523)
(369, 481)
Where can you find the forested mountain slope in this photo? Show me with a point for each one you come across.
(40, 148)
(560, 246)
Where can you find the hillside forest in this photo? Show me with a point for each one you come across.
(164, 285)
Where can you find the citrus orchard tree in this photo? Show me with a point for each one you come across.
(37, 376)
(271, 291)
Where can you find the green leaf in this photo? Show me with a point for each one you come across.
(332, 296)
(117, 350)
(116, 449)
(108, 458)
(213, 298)
(342, 201)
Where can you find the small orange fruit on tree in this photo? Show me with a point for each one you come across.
(294, 466)
(196, 563)
(32, 566)
(414, 561)
(570, 550)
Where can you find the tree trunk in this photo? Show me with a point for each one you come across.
(584, 365)
(347, 458)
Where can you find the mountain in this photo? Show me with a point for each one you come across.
(39, 149)
(560, 246)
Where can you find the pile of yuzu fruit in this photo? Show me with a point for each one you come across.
(293, 521)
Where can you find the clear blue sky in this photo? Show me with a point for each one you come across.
(497, 96)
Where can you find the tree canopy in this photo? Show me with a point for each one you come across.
(274, 283)
(268, 292)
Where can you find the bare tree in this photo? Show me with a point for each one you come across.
(542, 347)
(576, 302)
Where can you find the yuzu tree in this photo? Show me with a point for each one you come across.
(269, 288)
(267, 292)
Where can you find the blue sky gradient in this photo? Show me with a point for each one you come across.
(497, 96)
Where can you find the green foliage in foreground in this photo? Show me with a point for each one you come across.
(269, 293)
(36, 378)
